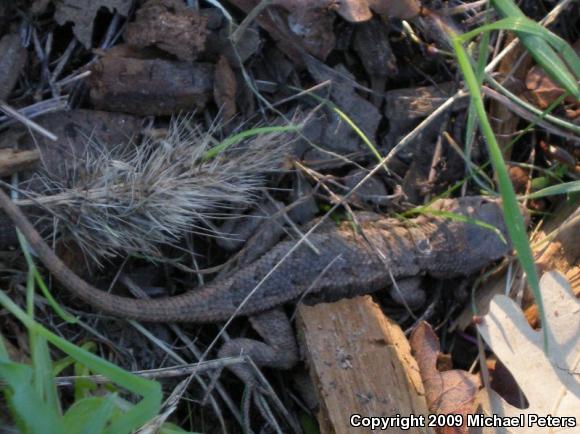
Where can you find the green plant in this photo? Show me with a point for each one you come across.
(545, 47)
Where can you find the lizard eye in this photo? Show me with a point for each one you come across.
(424, 246)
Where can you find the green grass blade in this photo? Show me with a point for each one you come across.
(32, 270)
(90, 415)
(342, 115)
(150, 390)
(531, 28)
(541, 115)
(357, 130)
(457, 217)
(564, 188)
(511, 210)
(32, 413)
(3, 349)
(471, 127)
(538, 44)
(237, 138)
(42, 369)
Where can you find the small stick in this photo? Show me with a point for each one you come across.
(12, 160)
(27, 122)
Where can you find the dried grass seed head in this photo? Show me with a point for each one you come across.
(134, 198)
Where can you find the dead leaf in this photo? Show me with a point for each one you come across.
(449, 392)
(82, 14)
(315, 27)
(275, 22)
(543, 91)
(402, 9)
(308, 24)
(225, 88)
(549, 381)
(357, 11)
(312, 22)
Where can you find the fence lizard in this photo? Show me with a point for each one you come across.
(346, 263)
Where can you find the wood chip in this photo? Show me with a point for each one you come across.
(150, 86)
(12, 59)
(170, 26)
(224, 91)
(360, 362)
(12, 161)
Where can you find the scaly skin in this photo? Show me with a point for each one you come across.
(437, 246)
(347, 264)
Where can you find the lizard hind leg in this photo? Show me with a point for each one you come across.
(279, 349)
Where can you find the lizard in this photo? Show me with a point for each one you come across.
(344, 263)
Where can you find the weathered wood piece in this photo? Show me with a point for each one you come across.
(12, 160)
(360, 362)
(150, 86)
(12, 59)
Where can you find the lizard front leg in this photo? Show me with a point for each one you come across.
(408, 292)
(279, 349)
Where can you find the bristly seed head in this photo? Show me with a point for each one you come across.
(132, 199)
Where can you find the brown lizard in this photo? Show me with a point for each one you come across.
(346, 263)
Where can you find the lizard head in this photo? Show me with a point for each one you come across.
(481, 235)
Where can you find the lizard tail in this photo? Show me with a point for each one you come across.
(194, 306)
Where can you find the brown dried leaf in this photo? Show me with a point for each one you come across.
(449, 392)
(354, 10)
(544, 91)
(225, 87)
(275, 22)
(357, 11)
(542, 88)
(82, 14)
(312, 21)
(315, 28)
(308, 24)
(38, 7)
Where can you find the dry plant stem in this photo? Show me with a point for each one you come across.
(505, 101)
(160, 373)
(27, 122)
(463, 8)
(58, 268)
(546, 21)
(193, 373)
(35, 110)
(503, 120)
(135, 197)
(167, 409)
(12, 161)
(383, 163)
(251, 16)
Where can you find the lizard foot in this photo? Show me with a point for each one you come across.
(279, 349)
